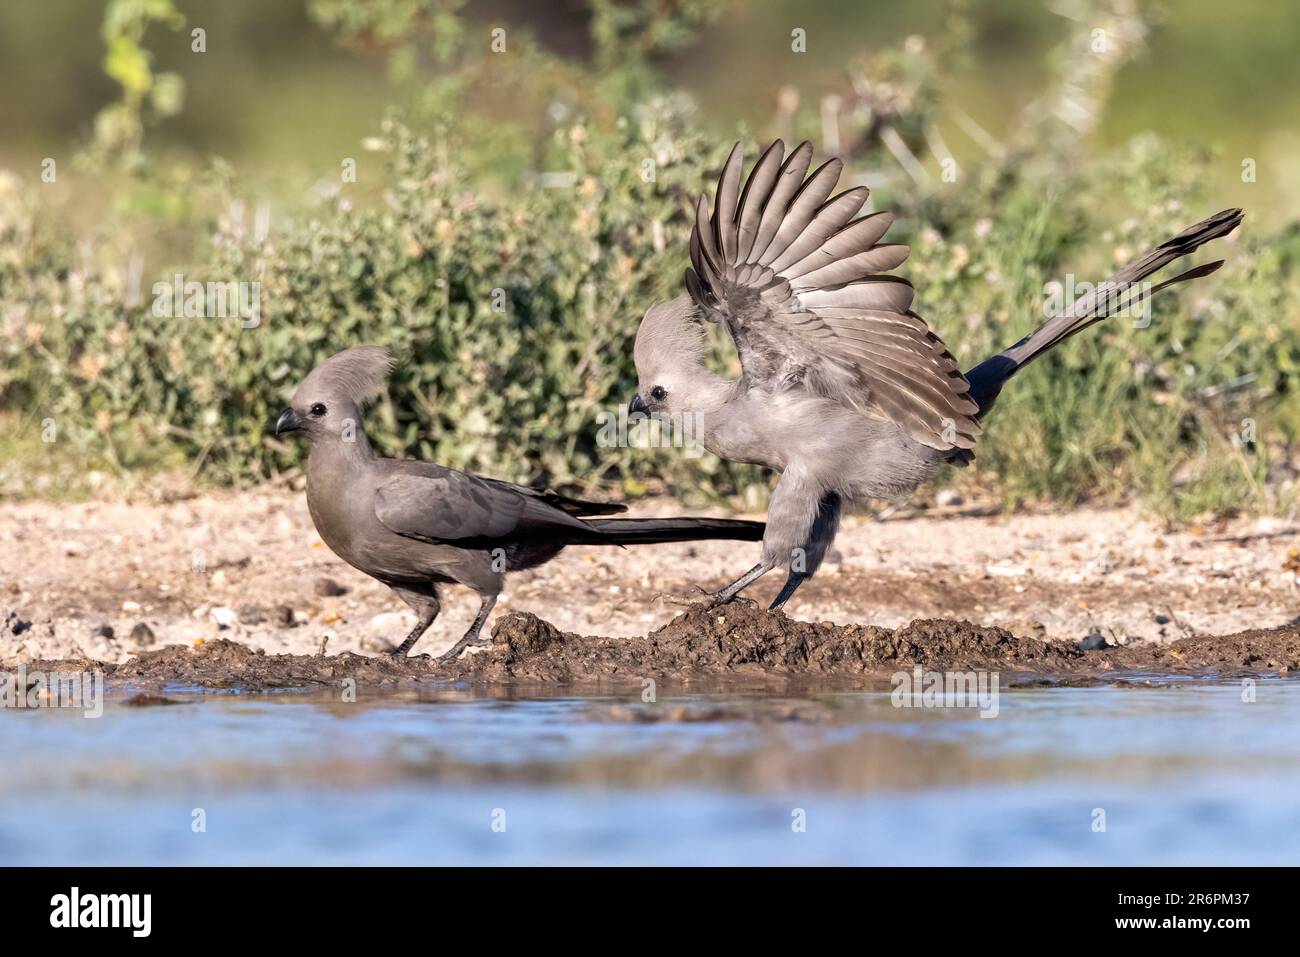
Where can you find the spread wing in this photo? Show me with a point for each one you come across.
(799, 281)
(439, 505)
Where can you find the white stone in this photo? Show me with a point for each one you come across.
(1005, 571)
(390, 622)
(224, 617)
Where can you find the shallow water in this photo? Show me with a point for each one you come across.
(1185, 773)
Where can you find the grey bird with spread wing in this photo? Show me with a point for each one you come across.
(844, 389)
(416, 526)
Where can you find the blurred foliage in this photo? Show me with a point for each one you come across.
(507, 267)
(147, 95)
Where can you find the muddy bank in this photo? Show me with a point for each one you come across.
(738, 645)
(744, 639)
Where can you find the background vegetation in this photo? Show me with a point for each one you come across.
(514, 212)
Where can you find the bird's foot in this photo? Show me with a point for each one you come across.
(683, 601)
(452, 653)
(721, 598)
(712, 599)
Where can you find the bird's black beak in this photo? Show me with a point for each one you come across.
(288, 421)
(638, 405)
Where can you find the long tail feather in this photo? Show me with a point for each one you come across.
(652, 531)
(987, 378)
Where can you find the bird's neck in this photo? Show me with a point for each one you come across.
(337, 457)
(336, 471)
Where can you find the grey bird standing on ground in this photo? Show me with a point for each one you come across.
(843, 389)
(416, 526)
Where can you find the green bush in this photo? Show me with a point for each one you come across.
(511, 298)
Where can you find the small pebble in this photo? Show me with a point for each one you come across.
(251, 614)
(948, 498)
(224, 617)
(142, 634)
(102, 631)
(329, 588)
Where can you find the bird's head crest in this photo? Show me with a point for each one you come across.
(670, 333)
(356, 375)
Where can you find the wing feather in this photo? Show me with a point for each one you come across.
(725, 203)
(758, 189)
(883, 293)
(825, 224)
(877, 259)
(438, 505)
(787, 184)
(803, 208)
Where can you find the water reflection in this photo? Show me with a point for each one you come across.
(1183, 772)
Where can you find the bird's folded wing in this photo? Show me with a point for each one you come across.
(443, 506)
(799, 280)
(574, 506)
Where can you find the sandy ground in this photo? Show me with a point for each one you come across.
(108, 579)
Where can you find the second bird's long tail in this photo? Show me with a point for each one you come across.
(987, 378)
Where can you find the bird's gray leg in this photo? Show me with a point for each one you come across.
(794, 581)
(740, 584)
(409, 641)
(471, 637)
(789, 515)
(801, 523)
(808, 559)
(426, 606)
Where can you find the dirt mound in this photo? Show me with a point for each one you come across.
(737, 643)
(1262, 651)
(743, 639)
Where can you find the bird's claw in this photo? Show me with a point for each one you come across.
(455, 650)
(713, 599)
(680, 600)
(719, 600)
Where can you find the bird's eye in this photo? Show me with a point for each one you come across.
(658, 393)
(318, 409)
